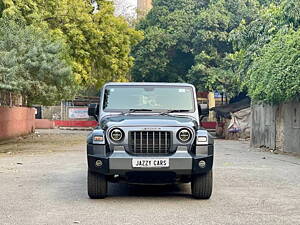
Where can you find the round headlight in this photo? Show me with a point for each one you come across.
(184, 135)
(116, 135)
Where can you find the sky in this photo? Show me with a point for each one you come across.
(132, 2)
(126, 7)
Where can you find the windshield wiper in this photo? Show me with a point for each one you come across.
(139, 110)
(175, 111)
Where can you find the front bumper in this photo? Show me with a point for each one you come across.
(120, 163)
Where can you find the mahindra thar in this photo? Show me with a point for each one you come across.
(149, 133)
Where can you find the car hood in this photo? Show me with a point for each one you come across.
(147, 121)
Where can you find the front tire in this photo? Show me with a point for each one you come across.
(202, 185)
(97, 185)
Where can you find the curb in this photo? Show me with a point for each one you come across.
(77, 128)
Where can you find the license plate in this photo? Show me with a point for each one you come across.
(150, 163)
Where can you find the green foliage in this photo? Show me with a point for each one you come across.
(214, 24)
(2, 7)
(32, 65)
(275, 74)
(254, 43)
(99, 44)
(165, 54)
(291, 12)
(225, 45)
(188, 40)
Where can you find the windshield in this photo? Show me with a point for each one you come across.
(148, 98)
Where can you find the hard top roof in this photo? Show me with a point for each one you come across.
(148, 84)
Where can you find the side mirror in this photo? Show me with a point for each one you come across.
(203, 111)
(93, 111)
(199, 109)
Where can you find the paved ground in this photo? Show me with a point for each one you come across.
(45, 183)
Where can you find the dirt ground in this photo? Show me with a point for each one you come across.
(43, 182)
(44, 141)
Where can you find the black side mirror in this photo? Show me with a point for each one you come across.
(93, 111)
(203, 111)
(201, 117)
(199, 110)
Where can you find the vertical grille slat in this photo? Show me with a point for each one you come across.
(134, 142)
(153, 147)
(147, 142)
(141, 139)
(166, 141)
(159, 141)
(150, 142)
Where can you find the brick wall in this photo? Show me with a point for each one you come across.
(44, 124)
(16, 121)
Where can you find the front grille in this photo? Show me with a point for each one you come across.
(150, 142)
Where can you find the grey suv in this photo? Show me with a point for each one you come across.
(149, 133)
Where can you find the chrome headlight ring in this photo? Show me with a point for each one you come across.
(184, 135)
(116, 135)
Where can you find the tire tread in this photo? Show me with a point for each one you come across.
(202, 185)
(97, 186)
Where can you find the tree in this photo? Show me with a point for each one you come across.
(188, 40)
(166, 52)
(257, 49)
(231, 46)
(99, 44)
(274, 76)
(32, 65)
(213, 62)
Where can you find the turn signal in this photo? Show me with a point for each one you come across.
(98, 138)
(201, 139)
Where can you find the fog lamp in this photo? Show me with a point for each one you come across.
(202, 164)
(98, 163)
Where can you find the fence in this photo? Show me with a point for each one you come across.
(276, 127)
(68, 114)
